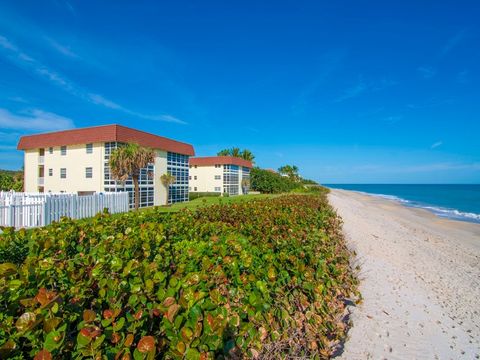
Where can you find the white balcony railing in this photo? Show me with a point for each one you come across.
(41, 181)
(41, 159)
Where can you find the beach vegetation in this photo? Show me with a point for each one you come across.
(227, 280)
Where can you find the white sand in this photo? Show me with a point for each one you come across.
(420, 281)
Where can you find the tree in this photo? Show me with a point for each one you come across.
(224, 152)
(127, 161)
(270, 183)
(247, 155)
(291, 171)
(236, 152)
(245, 185)
(167, 180)
(6, 182)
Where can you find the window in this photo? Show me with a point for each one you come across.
(63, 150)
(63, 173)
(195, 177)
(89, 148)
(177, 165)
(190, 178)
(218, 177)
(88, 172)
(50, 172)
(231, 179)
(218, 165)
(217, 189)
(195, 188)
(50, 150)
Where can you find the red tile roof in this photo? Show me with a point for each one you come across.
(222, 160)
(103, 133)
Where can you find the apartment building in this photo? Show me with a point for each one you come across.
(220, 174)
(77, 161)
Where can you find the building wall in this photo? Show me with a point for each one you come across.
(75, 162)
(160, 197)
(31, 170)
(205, 179)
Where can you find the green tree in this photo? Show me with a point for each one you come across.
(224, 152)
(270, 183)
(291, 171)
(6, 182)
(245, 185)
(236, 152)
(127, 161)
(167, 180)
(247, 155)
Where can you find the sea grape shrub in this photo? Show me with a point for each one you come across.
(223, 281)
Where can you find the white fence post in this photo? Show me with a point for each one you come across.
(24, 210)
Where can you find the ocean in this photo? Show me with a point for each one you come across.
(458, 202)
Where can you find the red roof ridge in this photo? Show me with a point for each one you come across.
(103, 133)
(222, 160)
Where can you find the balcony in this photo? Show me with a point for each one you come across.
(41, 159)
(41, 181)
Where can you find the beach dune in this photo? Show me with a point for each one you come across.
(420, 281)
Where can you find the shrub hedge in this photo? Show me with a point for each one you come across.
(221, 281)
(268, 182)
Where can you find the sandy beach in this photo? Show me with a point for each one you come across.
(420, 281)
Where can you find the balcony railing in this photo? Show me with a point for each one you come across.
(41, 159)
(41, 181)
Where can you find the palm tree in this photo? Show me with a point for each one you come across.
(127, 161)
(224, 152)
(235, 152)
(167, 180)
(289, 170)
(247, 155)
(245, 185)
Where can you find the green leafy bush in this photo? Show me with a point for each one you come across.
(268, 182)
(13, 246)
(225, 280)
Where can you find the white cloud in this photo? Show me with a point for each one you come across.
(353, 91)
(437, 144)
(7, 44)
(427, 71)
(18, 99)
(463, 77)
(62, 49)
(453, 42)
(34, 120)
(363, 86)
(393, 119)
(32, 65)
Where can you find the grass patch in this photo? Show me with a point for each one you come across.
(211, 200)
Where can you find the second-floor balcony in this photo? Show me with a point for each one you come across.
(41, 159)
(41, 181)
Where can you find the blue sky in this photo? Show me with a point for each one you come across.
(351, 92)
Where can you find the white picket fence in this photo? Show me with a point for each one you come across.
(26, 210)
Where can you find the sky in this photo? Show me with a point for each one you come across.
(349, 91)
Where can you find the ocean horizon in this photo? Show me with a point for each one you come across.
(452, 201)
